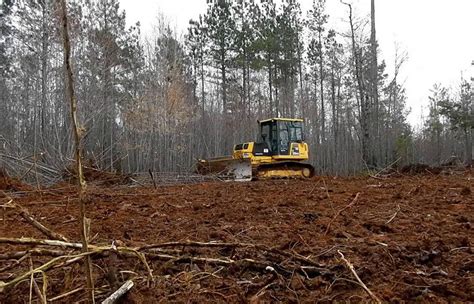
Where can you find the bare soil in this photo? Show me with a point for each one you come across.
(410, 238)
(8, 183)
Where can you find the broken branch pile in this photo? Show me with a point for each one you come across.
(249, 258)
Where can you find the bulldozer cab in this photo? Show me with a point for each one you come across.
(277, 134)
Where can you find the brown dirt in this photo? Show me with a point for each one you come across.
(99, 177)
(11, 184)
(409, 238)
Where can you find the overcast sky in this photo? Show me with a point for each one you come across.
(438, 35)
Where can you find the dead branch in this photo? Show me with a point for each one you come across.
(64, 258)
(15, 263)
(32, 252)
(138, 252)
(384, 169)
(41, 294)
(96, 250)
(35, 223)
(119, 292)
(49, 169)
(145, 249)
(53, 263)
(263, 248)
(139, 255)
(194, 244)
(351, 268)
(31, 281)
(67, 294)
(393, 216)
(20, 278)
(27, 171)
(354, 201)
(261, 266)
(32, 241)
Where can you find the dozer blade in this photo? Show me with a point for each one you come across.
(226, 168)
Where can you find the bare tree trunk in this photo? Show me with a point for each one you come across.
(364, 111)
(321, 89)
(334, 118)
(44, 65)
(375, 95)
(468, 144)
(300, 81)
(224, 82)
(270, 85)
(77, 141)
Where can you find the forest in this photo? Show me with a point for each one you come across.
(101, 126)
(160, 102)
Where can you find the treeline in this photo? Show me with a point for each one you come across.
(163, 101)
(448, 130)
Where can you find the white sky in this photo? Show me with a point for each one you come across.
(438, 35)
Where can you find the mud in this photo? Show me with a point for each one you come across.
(409, 238)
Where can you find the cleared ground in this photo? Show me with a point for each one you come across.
(409, 238)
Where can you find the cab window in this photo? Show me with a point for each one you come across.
(296, 131)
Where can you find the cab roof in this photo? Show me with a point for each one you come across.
(281, 119)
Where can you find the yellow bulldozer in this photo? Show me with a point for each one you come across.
(279, 152)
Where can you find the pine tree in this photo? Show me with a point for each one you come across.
(434, 125)
(317, 19)
(267, 44)
(220, 26)
(460, 114)
(289, 29)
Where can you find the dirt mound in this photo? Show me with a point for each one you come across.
(8, 183)
(413, 169)
(96, 176)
